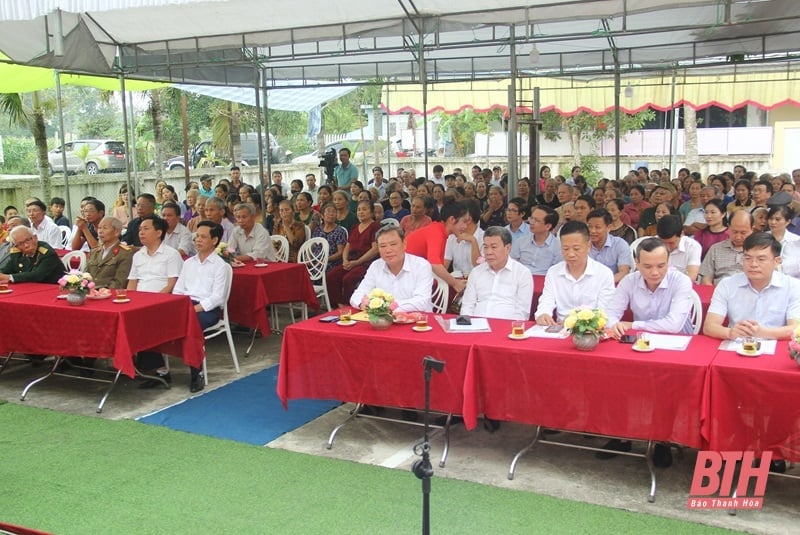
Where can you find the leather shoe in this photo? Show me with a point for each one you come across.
(152, 383)
(196, 384)
(614, 444)
(662, 456)
(491, 425)
(777, 467)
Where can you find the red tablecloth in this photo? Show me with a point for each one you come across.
(755, 404)
(36, 322)
(612, 390)
(254, 289)
(359, 364)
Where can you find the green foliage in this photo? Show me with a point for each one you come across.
(19, 154)
(464, 125)
(341, 115)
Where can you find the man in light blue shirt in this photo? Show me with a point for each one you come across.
(543, 249)
(345, 172)
(659, 297)
(612, 252)
(761, 301)
(516, 215)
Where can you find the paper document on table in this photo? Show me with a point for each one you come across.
(540, 331)
(672, 342)
(768, 347)
(478, 325)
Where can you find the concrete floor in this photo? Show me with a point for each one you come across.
(476, 455)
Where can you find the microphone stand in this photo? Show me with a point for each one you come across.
(422, 467)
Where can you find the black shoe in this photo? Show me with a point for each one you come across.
(197, 384)
(441, 421)
(62, 366)
(546, 432)
(370, 410)
(614, 444)
(662, 456)
(409, 415)
(152, 383)
(777, 467)
(491, 425)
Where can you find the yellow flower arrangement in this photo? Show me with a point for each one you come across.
(585, 320)
(378, 303)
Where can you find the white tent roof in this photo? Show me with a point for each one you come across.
(223, 42)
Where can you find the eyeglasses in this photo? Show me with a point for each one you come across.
(747, 259)
(26, 241)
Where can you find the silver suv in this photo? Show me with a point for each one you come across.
(90, 155)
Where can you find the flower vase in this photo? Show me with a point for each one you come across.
(381, 322)
(585, 341)
(76, 298)
(794, 352)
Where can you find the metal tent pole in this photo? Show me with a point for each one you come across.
(63, 152)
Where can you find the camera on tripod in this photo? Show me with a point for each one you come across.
(329, 162)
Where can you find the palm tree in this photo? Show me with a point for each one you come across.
(32, 116)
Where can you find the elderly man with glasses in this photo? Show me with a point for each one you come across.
(30, 260)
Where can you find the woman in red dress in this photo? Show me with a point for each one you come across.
(360, 251)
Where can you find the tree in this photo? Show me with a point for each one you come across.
(463, 126)
(690, 126)
(156, 116)
(32, 115)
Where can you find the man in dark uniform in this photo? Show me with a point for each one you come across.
(110, 262)
(30, 260)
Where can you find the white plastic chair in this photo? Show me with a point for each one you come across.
(697, 312)
(67, 260)
(440, 296)
(223, 326)
(634, 244)
(314, 254)
(308, 232)
(66, 236)
(390, 222)
(281, 246)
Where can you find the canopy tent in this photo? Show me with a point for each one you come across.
(765, 90)
(289, 99)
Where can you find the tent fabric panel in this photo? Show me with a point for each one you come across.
(296, 99)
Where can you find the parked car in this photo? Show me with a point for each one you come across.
(90, 155)
(355, 145)
(202, 154)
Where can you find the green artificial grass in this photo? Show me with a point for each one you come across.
(80, 475)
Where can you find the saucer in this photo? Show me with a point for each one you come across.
(98, 296)
(744, 353)
(120, 301)
(346, 323)
(6, 291)
(260, 265)
(61, 296)
(517, 336)
(640, 350)
(422, 329)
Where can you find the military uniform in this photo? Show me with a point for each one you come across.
(43, 266)
(111, 271)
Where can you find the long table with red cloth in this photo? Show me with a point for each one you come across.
(755, 404)
(360, 364)
(35, 321)
(612, 390)
(255, 288)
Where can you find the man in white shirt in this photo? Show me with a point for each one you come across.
(250, 241)
(609, 250)
(378, 182)
(155, 268)
(684, 252)
(42, 225)
(204, 279)
(576, 281)
(178, 236)
(464, 250)
(659, 297)
(543, 249)
(311, 186)
(407, 277)
(215, 211)
(501, 287)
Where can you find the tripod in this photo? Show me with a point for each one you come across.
(422, 467)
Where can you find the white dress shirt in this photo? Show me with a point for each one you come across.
(180, 239)
(687, 253)
(593, 289)
(204, 281)
(153, 272)
(227, 228)
(256, 244)
(460, 252)
(411, 287)
(773, 306)
(503, 294)
(48, 232)
(665, 310)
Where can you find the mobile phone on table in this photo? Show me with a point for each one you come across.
(627, 339)
(553, 328)
(329, 319)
